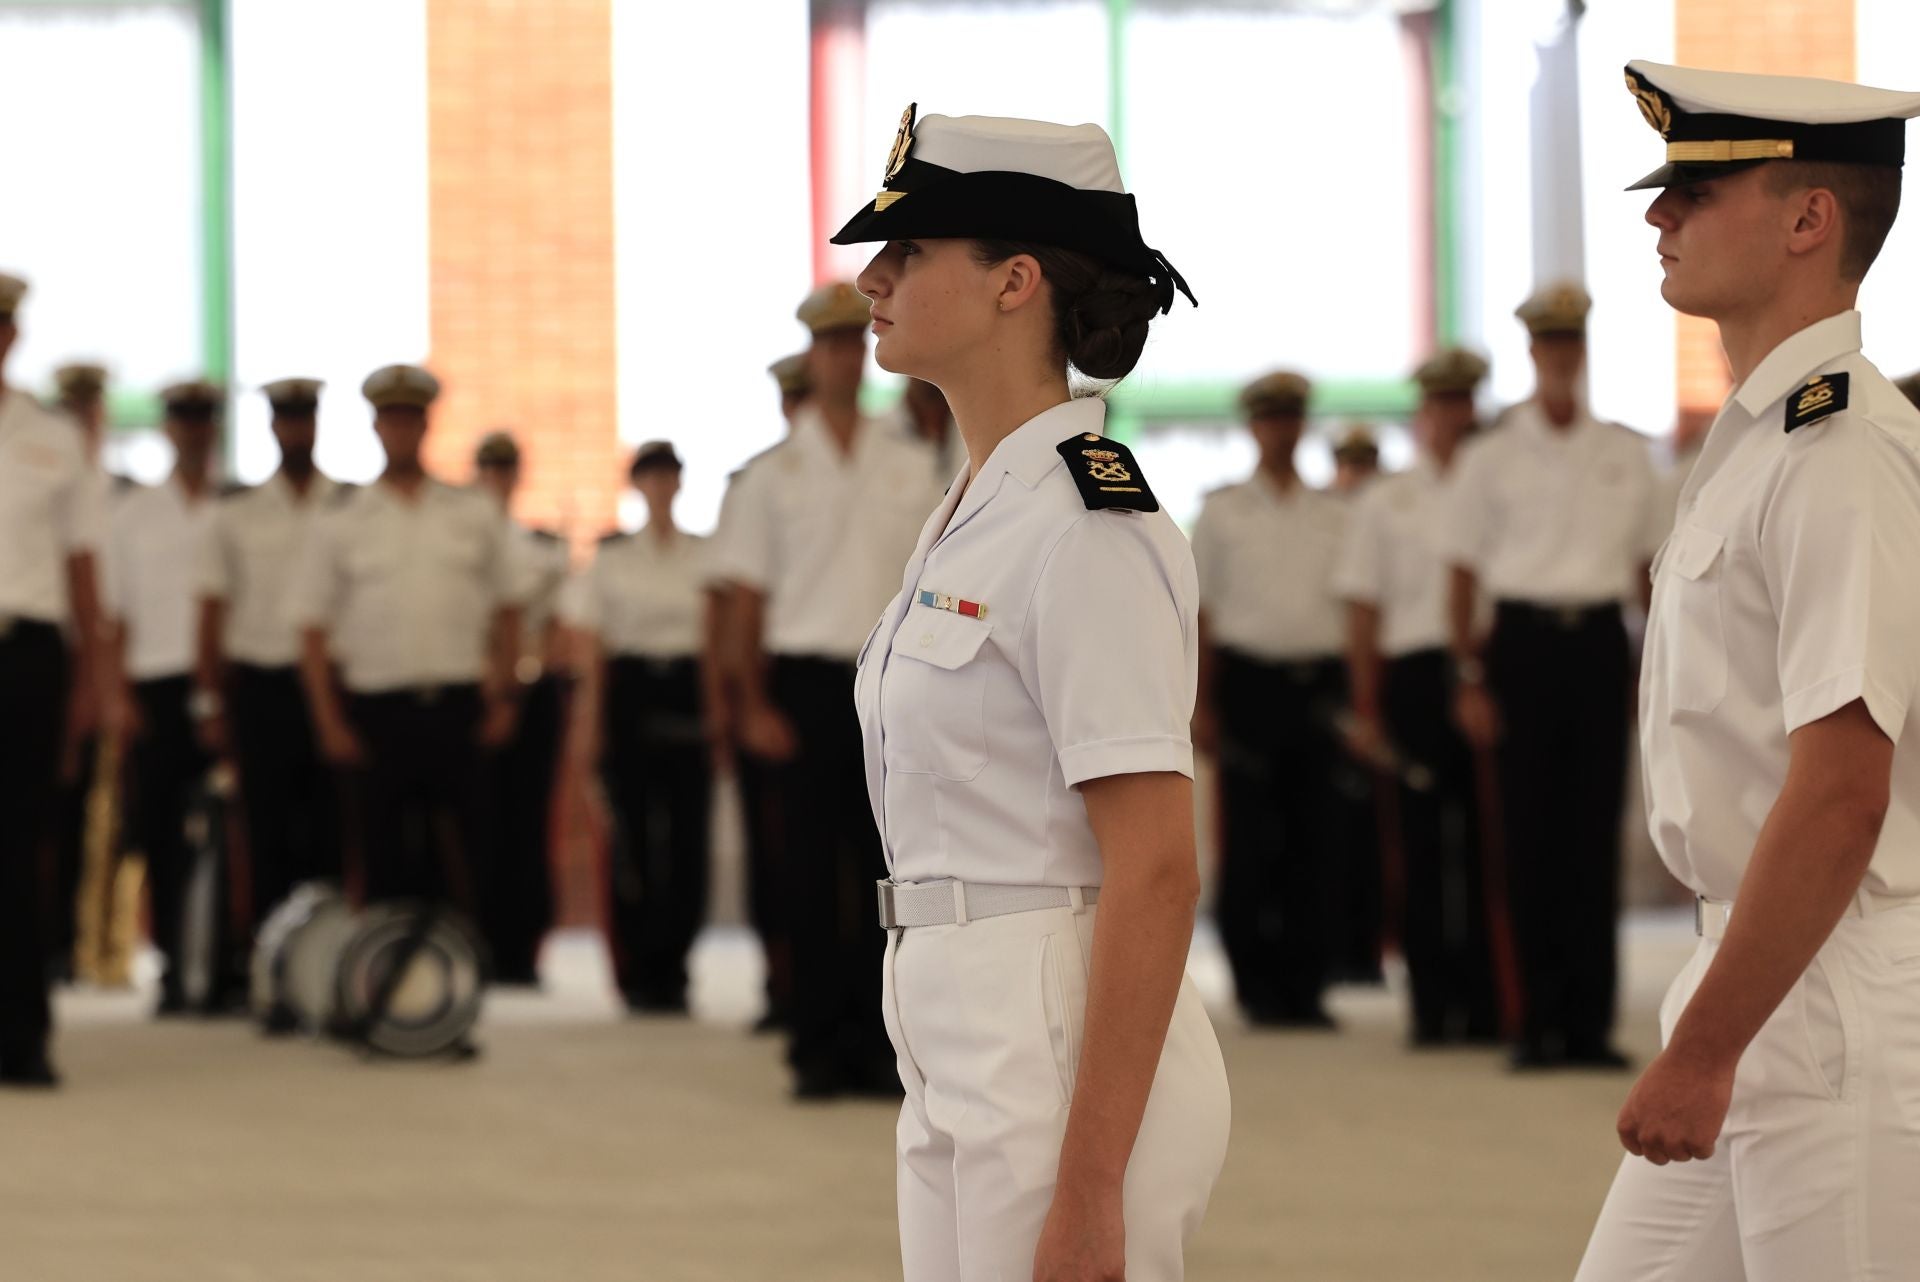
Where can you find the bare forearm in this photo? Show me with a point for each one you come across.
(93, 659)
(749, 663)
(316, 675)
(1363, 657)
(207, 658)
(1463, 588)
(1807, 865)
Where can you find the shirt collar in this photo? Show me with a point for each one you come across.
(1788, 365)
(1029, 452)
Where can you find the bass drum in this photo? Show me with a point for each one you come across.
(410, 981)
(270, 994)
(311, 958)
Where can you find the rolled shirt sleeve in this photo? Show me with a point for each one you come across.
(744, 550)
(213, 573)
(315, 592)
(1836, 549)
(1467, 532)
(1111, 647)
(1360, 572)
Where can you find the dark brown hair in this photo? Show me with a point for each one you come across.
(1869, 198)
(1100, 314)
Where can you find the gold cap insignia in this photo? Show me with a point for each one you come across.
(902, 145)
(1652, 105)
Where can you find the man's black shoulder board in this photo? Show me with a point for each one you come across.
(1106, 474)
(1822, 395)
(615, 536)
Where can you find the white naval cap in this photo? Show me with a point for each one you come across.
(1081, 156)
(400, 386)
(1003, 178)
(293, 395)
(1720, 122)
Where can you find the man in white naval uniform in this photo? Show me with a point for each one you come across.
(1777, 1136)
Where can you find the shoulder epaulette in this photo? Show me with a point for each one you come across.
(615, 536)
(1819, 397)
(1107, 475)
(546, 536)
(234, 489)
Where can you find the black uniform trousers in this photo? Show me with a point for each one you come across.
(421, 814)
(1562, 681)
(33, 702)
(289, 800)
(1277, 756)
(765, 838)
(658, 775)
(833, 858)
(520, 781)
(1444, 924)
(166, 766)
(67, 850)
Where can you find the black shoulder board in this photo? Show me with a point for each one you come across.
(1822, 395)
(234, 489)
(545, 536)
(614, 536)
(343, 492)
(1106, 474)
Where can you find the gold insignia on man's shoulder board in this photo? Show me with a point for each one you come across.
(1820, 397)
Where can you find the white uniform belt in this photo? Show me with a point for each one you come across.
(1710, 916)
(946, 903)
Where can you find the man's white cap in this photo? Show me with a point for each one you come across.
(393, 386)
(1720, 122)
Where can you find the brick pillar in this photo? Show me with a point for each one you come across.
(520, 141)
(1771, 37)
(520, 137)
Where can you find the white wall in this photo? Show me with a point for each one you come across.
(1888, 34)
(102, 208)
(712, 226)
(330, 213)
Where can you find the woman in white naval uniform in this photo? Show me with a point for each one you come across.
(1026, 703)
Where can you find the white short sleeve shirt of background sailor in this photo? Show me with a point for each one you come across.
(1787, 591)
(1552, 516)
(824, 534)
(1266, 561)
(541, 564)
(405, 589)
(255, 540)
(52, 507)
(1391, 559)
(643, 596)
(1081, 665)
(155, 546)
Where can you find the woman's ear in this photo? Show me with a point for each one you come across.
(1020, 280)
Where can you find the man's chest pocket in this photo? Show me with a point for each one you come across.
(1694, 651)
(933, 703)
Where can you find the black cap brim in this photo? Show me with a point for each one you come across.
(1682, 175)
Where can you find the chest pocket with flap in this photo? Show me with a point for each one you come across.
(1696, 649)
(933, 703)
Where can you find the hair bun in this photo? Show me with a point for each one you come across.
(1105, 330)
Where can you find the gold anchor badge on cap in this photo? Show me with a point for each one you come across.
(897, 158)
(1652, 105)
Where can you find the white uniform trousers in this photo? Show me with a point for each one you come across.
(1816, 1177)
(987, 1020)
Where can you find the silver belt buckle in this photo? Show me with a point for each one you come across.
(888, 921)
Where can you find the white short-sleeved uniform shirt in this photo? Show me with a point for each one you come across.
(1083, 665)
(1392, 559)
(1555, 516)
(541, 565)
(406, 589)
(644, 596)
(824, 533)
(1788, 590)
(53, 505)
(1266, 559)
(156, 541)
(253, 546)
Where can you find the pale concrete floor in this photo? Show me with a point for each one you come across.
(586, 1146)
